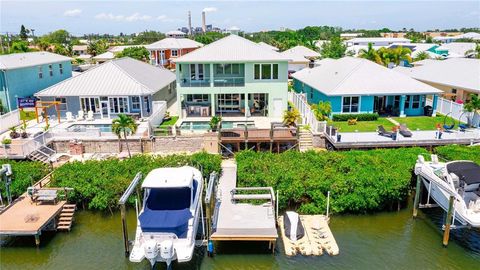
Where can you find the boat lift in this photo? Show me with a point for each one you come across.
(6, 176)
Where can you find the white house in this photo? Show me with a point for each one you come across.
(300, 57)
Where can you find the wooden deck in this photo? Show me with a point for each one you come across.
(258, 135)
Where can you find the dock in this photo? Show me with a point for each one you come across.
(240, 221)
(318, 237)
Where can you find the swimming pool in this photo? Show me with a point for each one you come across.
(203, 125)
(84, 127)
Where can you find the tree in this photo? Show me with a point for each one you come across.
(19, 47)
(147, 37)
(291, 117)
(139, 53)
(58, 37)
(97, 47)
(62, 49)
(421, 56)
(475, 53)
(124, 125)
(24, 32)
(208, 37)
(473, 104)
(333, 49)
(370, 54)
(322, 111)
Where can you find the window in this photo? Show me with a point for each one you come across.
(311, 94)
(416, 102)
(136, 103)
(118, 104)
(146, 103)
(63, 103)
(60, 68)
(350, 104)
(170, 86)
(175, 53)
(407, 102)
(197, 98)
(265, 71)
(227, 69)
(40, 72)
(50, 70)
(454, 91)
(196, 71)
(90, 104)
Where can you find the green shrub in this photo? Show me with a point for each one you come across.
(25, 173)
(99, 184)
(359, 181)
(359, 117)
(459, 152)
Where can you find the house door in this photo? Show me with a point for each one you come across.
(379, 104)
(104, 107)
(277, 107)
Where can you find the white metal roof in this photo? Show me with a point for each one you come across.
(462, 73)
(472, 35)
(80, 47)
(266, 45)
(105, 56)
(356, 76)
(169, 178)
(231, 48)
(174, 43)
(378, 39)
(20, 60)
(84, 56)
(300, 54)
(119, 77)
(457, 48)
(117, 49)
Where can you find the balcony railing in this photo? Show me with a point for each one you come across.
(228, 81)
(194, 83)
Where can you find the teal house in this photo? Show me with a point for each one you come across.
(232, 77)
(356, 85)
(24, 74)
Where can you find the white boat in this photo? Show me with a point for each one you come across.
(168, 221)
(460, 179)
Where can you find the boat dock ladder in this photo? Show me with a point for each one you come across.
(65, 219)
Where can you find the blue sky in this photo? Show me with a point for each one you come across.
(80, 17)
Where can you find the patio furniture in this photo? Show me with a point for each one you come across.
(69, 116)
(46, 195)
(90, 116)
(404, 131)
(80, 116)
(382, 132)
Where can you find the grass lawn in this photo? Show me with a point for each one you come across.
(363, 126)
(170, 122)
(163, 129)
(424, 122)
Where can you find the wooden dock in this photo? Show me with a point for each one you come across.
(238, 221)
(317, 239)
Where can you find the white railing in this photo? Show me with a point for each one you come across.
(308, 117)
(9, 120)
(456, 111)
(23, 148)
(156, 118)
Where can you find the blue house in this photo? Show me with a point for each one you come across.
(120, 86)
(356, 85)
(24, 74)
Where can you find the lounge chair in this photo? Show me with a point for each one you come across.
(80, 115)
(404, 131)
(90, 116)
(69, 116)
(382, 132)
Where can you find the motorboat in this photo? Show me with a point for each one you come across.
(460, 179)
(168, 221)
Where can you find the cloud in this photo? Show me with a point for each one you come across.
(132, 18)
(210, 9)
(72, 12)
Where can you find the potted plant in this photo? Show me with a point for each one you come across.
(13, 133)
(290, 118)
(24, 131)
(439, 131)
(6, 142)
(395, 130)
(167, 116)
(215, 122)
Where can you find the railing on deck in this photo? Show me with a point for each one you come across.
(229, 81)
(308, 117)
(23, 148)
(195, 83)
(9, 120)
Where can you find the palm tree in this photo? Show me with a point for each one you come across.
(291, 117)
(401, 53)
(322, 110)
(124, 125)
(475, 53)
(421, 56)
(370, 54)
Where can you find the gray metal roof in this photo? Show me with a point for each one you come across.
(356, 76)
(119, 77)
(29, 59)
(231, 49)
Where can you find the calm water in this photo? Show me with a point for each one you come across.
(381, 241)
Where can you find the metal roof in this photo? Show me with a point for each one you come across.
(29, 59)
(231, 48)
(119, 77)
(357, 76)
(300, 54)
(106, 55)
(377, 39)
(463, 73)
(174, 43)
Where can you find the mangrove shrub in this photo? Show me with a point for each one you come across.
(25, 173)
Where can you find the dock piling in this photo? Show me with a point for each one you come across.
(448, 221)
(37, 240)
(418, 192)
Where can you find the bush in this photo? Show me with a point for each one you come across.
(359, 181)
(99, 184)
(359, 117)
(25, 173)
(459, 152)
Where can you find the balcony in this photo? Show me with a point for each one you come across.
(194, 83)
(228, 81)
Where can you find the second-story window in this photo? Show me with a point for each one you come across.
(265, 72)
(174, 52)
(50, 70)
(40, 72)
(60, 68)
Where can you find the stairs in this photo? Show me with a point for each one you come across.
(42, 154)
(66, 217)
(305, 141)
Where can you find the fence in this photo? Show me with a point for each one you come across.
(9, 120)
(159, 110)
(308, 117)
(456, 111)
(23, 148)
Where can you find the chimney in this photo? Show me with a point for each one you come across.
(204, 24)
(190, 23)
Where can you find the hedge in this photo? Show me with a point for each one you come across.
(359, 181)
(25, 173)
(359, 117)
(99, 184)
(459, 152)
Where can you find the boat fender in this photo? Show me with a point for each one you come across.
(210, 248)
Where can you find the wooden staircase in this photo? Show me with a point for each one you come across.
(66, 217)
(305, 140)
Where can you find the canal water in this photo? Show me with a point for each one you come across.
(388, 240)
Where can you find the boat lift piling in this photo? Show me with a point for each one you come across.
(131, 188)
(448, 220)
(418, 193)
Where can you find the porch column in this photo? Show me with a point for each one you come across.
(247, 109)
(141, 106)
(402, 105)
(179, 105)
(212, 103)
(211, 75)
(434, 105)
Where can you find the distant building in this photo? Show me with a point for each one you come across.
(394, 35)
(164, 51)
(300, 57)
(24, 74)
(79, 49)
(471, 35)
(232, 30)
(175, 34)
(356, 44)
(347, 36)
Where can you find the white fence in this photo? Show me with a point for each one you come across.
(159, 110)
(456, 111)
(308, 117)
(9, 120)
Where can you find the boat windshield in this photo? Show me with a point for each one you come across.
(169, 198)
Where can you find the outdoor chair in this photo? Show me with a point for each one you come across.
(90, 116)
(404, 131)
(80, 115)
(382, 132)
(69, 116)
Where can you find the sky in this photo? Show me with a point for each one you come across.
(127, 16)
